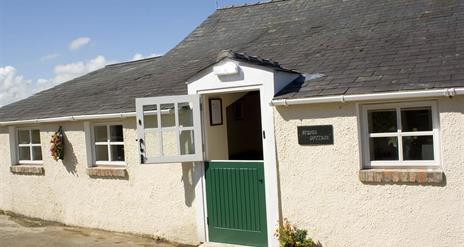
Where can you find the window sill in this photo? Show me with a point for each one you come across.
(27, 169)
(402, 176)
(107, 172)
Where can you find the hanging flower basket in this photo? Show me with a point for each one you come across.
(57, 141)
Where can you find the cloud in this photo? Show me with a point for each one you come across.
(49, 57)
(78, 43)
(13, 87)
(70, 71)
(138, 56)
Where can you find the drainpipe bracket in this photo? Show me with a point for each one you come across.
(342, 99)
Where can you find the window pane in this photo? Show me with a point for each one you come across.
(185, 115)
(167, 117)
(35, 136)
(187, 145)
(23, 137)
(416, 119)
(382, 121)
(101, 135)
(36, 153)
(384, 148)
(169, 143)
(24, 153)
(152, 143)
(117, 152)
(101, 152)
(418, 148)
(150, 116)
(116, 134)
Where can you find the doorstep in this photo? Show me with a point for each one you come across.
(212, 244)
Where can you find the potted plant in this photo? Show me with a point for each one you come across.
(290, 236)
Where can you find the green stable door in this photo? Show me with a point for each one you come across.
(236, 202)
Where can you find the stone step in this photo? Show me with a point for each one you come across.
(212, 244)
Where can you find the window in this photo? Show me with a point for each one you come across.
(108, 145)
(29, 148)
(400, 135)
(169, 129)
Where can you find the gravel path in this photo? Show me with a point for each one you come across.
(24, 232)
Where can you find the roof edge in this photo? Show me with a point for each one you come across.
(252, 59)
(133, 62)
(73, 118)
(249, 4)
(443, 92)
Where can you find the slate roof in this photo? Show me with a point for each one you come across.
(253, 60)
(356, 46)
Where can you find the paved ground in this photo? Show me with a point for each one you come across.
(25, 232)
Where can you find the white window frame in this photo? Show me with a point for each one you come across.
(108, 143)
(30, 145)
(400, 163)
(196, 114)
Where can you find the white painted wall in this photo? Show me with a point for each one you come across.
(249, 75)
(157, 200)
(320, 189)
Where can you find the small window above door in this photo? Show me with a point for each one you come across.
(169, 129)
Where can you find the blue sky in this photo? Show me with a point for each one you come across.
(46, 42)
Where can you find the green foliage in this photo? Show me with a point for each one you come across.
(290, 236)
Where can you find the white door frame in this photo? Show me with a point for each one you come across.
(269, 160)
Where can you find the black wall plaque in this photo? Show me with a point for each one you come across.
(315, 135)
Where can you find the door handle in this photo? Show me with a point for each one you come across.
(261, 180)
(142, 158)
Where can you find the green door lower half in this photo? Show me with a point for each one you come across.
(236, 203)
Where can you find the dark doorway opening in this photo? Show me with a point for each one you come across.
(244, 132)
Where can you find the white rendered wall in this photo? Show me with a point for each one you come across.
(320, 190)
(157, 200)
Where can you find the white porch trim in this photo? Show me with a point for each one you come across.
(267, 82)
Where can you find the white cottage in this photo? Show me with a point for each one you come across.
(346, 117)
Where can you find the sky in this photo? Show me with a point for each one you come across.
(47, 42)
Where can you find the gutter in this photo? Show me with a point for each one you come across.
(446, 92)
(74, 118)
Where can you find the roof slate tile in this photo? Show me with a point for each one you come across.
(361, 46)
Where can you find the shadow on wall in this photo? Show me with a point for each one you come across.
(318, 244)
(70, 159)
(189, 183)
